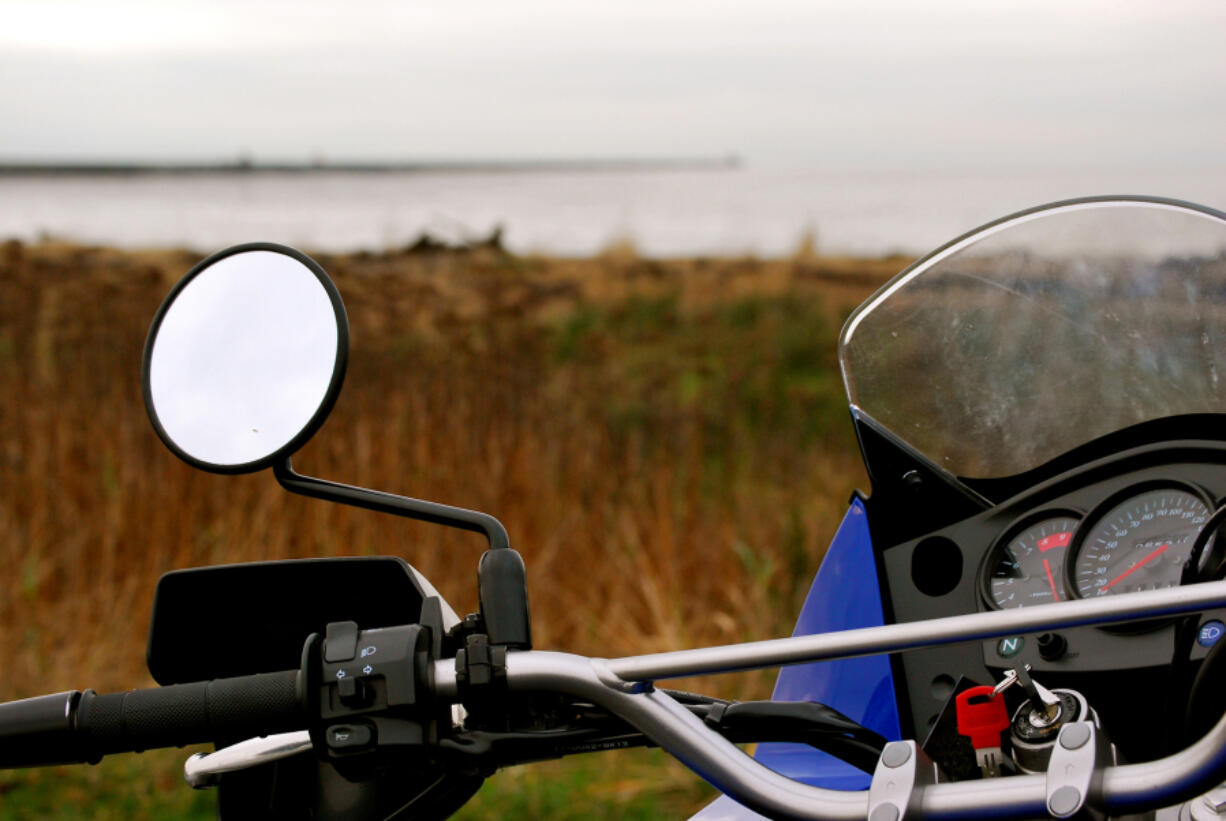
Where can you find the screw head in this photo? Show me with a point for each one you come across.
(1074, 736)
(895, 754)
(884, 812)
(1064, 801)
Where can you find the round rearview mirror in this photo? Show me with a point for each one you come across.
(245, 358)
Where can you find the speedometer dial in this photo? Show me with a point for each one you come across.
(1028, 568)
(1141, 543)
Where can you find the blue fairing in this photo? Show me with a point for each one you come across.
(844, 595)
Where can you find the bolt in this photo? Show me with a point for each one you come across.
(896, 754)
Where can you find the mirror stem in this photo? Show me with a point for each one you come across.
(445, 515)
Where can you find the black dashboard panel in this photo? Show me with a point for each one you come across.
(940, 574)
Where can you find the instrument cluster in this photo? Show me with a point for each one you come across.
(1145, 537)
(1145, 518)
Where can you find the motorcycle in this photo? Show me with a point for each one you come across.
(1022, 620)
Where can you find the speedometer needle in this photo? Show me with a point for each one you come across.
(1134, 568)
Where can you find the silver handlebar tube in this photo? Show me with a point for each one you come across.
(1182, 775)
(676, 730)
(623, 687)
(893, 638)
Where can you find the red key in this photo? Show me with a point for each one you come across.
(981, 718)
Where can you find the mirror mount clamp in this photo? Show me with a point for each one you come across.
(433, 512)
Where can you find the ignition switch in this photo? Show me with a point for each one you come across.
(1037, 722)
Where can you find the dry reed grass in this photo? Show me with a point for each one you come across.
(645, 429)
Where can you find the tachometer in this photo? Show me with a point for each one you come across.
(1027, 567)
(1138, 543)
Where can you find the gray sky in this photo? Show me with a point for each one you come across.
(891, 85)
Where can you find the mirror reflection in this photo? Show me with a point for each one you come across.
(243, 358)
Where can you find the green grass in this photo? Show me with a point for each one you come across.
(752, 369)
(622, 785)
(146, 786)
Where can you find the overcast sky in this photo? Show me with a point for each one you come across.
(892, 85)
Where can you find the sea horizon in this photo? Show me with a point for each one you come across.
(564, 207)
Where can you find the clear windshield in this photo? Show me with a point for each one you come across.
(1046, 330)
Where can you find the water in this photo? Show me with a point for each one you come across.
(663, 213)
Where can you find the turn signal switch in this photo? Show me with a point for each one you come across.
(368, 695)
(354, 692)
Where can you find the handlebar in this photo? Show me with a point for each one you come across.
(83, 726)
(78, 727)
(1116, 789)
(624, 688)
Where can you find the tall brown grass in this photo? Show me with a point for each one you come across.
(664, 441)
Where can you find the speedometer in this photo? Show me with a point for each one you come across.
(1138, 543)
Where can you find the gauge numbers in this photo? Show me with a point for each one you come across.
(1028, 569)
(1139, 544)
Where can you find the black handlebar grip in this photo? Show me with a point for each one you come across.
(190, 713)
(77, 727)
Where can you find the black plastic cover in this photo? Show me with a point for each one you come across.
(502, 584)
(242, 619)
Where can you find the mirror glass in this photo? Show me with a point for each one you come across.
(245, 358)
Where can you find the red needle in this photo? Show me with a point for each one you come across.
(1133, 569)
(1054, 595)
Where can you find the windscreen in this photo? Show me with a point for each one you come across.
(1048, 329)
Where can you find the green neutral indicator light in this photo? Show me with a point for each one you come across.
(1008, 648)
